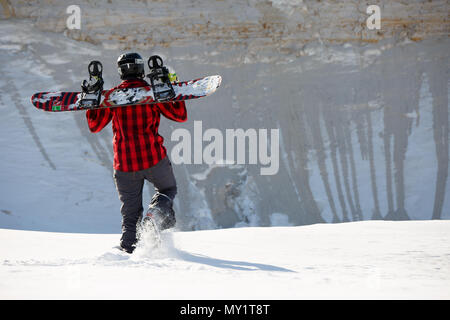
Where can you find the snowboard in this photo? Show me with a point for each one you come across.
(70, 101)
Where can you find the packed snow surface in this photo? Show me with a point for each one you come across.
(356, 260)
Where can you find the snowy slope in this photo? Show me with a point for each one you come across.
(334, 166)
(357, 260)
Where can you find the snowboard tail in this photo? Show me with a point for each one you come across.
(70, 101)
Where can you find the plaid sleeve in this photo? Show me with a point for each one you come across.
(98, 118)
(175, 111)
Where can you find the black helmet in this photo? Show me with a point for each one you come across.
(130, 66)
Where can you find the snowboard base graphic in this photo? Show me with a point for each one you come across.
(70, 101)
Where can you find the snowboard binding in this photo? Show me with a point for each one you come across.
(92, 90)
(160, 79)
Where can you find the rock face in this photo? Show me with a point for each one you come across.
(284, 25)
(362, 114)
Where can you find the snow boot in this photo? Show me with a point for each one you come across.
(163, 219)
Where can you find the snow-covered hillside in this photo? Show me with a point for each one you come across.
(363, 120)
(362, 116)
(357, 260)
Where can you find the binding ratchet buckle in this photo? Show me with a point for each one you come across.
(92, 89)
(160, 79)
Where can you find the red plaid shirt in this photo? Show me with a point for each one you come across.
(137, 144)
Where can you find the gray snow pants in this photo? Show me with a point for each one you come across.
(129, 185)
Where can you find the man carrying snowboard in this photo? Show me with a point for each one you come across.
(139, 153)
